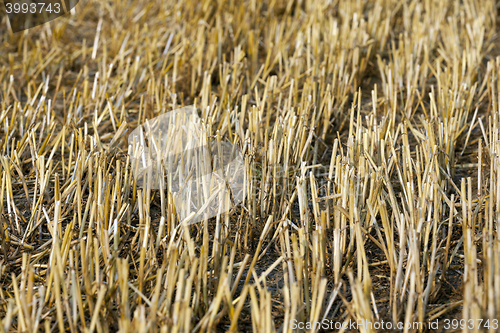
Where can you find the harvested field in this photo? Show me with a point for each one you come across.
(369, 135)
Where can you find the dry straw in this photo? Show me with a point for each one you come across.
(370, 136)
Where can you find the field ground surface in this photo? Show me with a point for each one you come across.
(369, 132)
